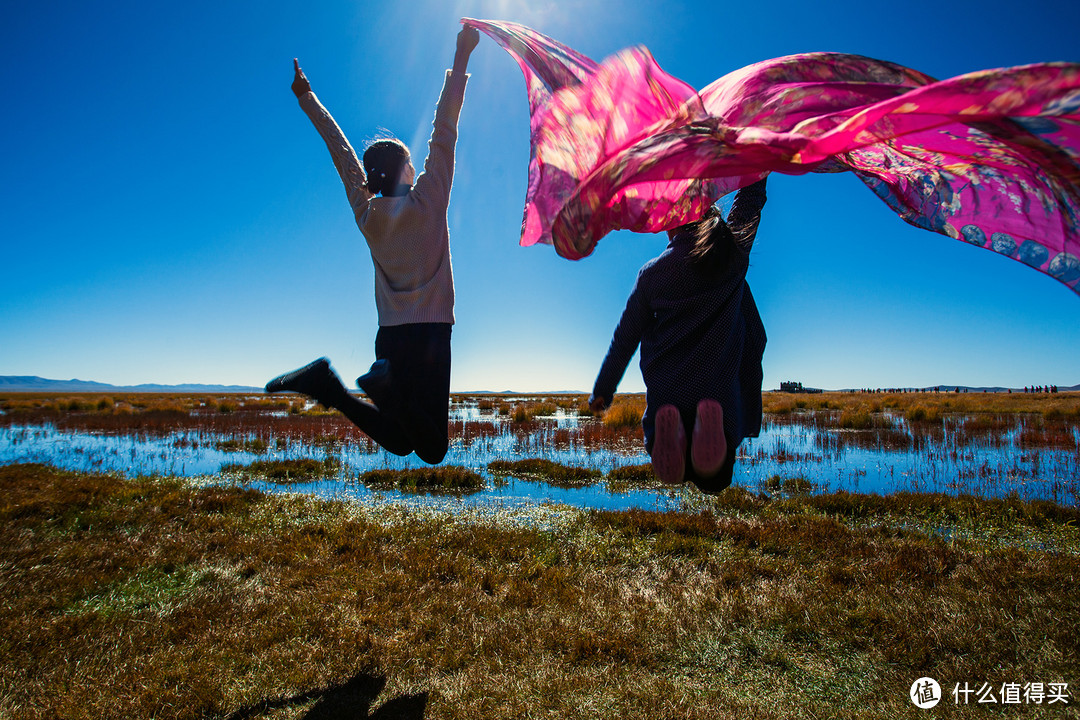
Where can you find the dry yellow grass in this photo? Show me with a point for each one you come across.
(152, 599)
(625, 411)
(1065, 404)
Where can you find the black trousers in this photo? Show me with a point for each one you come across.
(416, 416)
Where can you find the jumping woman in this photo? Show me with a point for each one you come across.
(701, 346)
(403, 219)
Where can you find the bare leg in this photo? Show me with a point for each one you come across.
(669, 447)
(708, 447)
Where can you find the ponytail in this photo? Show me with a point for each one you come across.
(713, 243)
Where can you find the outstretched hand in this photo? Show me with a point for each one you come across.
(466, 43)
(467, 39)
(300, 84)
(597, 404)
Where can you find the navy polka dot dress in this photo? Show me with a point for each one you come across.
(700, 332)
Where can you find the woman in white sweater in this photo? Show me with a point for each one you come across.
(403, 219)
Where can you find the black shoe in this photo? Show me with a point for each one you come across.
(377, 383)
(314, 380)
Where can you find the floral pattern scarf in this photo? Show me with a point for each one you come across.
(991, 158)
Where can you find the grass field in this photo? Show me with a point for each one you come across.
(151, 598)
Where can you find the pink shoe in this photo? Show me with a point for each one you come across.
(669, 446)
(708, 449)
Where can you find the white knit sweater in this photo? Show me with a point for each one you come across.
(408, 235)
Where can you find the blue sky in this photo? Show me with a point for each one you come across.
(169, 215)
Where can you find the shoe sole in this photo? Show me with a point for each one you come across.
(708, 450)
(669, 446)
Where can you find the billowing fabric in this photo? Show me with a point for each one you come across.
(991, 158)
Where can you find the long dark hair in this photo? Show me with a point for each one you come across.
(713, 243)
(383, 163)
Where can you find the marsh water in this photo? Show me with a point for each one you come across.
(820, 458)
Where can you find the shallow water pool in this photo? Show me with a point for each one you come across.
(874, 461)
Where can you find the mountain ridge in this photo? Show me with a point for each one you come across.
(33, 383)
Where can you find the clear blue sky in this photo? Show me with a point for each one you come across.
(169, 215)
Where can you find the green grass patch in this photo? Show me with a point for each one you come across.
(286, 471)
(791, 485)
(428, 479)
(627, 477)
(552, 473)
(255, 445)
(156, 589)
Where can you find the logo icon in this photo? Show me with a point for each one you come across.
(925, 693)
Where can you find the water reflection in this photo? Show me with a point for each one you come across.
(890, 458)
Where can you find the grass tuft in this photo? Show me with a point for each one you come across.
(548, 471)
(625, 412)
(441, 478)
(256, 446)
(777, 483)
(286, 471)
(626, 476)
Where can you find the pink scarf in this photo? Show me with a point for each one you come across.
(991, 158)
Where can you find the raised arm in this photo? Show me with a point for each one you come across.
(466, 43)
(438, 173)
(745, 214)
(341, 152)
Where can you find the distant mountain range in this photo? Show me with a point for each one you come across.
(33, 383)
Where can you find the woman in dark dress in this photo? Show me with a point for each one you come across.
(701, 341)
